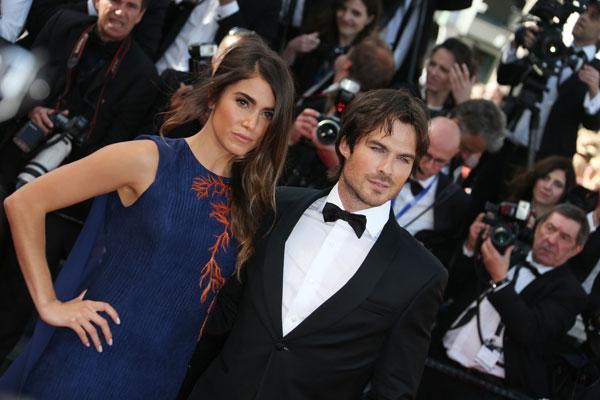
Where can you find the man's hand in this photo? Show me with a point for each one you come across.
(41, 117)
(495, 263)
(477, 227)
(461, 82)
(305, 126)
(591, 77)
(305, 43)
(526, 37)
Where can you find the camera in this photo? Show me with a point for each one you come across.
(328, 127)
(549, 54)
(201, 55)
(30, 136)
(508, 223)
(68, 131)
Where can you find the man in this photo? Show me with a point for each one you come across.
(475, 167)
(326, 307)
(147, 33)
(430, 206)
(513, 335)
(569, 99)
(309, 162)
(94, 70)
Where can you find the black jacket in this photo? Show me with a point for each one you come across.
(375, 328)
(536, 322)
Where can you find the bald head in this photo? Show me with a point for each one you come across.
(444, 142)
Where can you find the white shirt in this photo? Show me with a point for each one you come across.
(13, 14)
(463, 343)
(425, 221)
(200, 27)
(388, 34)
(321, 257)
(520, 135)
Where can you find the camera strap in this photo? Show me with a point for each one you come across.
(111, 72)
(414, 201)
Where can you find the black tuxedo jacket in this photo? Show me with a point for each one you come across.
(375, 328)
(536, 322)
(259, 16)
(449, 212)
(567, 113)
(147, 33)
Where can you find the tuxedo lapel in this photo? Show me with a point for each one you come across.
(358, 288)
(272, 268)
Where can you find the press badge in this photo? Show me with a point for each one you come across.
(487, 357)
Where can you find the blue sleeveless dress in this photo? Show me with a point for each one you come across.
(161, 262)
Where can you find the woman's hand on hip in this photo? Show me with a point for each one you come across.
(82, 317)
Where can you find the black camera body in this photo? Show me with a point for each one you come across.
(30, 136)
(508, 223)
(549, 54)
(201, 55)
(67, 133)
(329, 126)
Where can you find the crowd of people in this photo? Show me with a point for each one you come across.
(229, 199)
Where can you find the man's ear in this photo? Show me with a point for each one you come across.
(344, 148)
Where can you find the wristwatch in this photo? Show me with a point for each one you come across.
(494, 284)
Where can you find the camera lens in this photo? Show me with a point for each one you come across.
(502, 237)
(327, 131)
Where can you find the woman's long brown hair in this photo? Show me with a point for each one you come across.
(255, 175)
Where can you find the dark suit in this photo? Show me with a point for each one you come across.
(147, 33)
(567, 113)
(413, 61)
(261, 17)
(536, 321)
(375, 328)
(449, 211)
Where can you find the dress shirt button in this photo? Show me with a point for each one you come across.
(293, 320)
(280, 346)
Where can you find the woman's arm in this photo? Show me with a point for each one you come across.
(129, 168)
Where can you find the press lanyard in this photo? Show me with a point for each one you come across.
(415, 200)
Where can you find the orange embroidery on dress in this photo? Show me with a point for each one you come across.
(211, 272)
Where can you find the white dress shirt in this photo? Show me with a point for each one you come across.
(200, 27)
(520, 135)
(463, 343)
(405, 197)
(321, 257)
(388, 34)
(13, 14)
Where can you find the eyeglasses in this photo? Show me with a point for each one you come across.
(437, 161)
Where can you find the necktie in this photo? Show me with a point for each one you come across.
(415, 187)
(357, 222)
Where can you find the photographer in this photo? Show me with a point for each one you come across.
(510, 330)
(309, 161)
(96, 71)
(569, 99)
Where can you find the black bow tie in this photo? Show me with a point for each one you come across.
(415, 187)
(332, 213)
(525, 264)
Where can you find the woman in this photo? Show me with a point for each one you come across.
(177, 214)
(312, 55)
(546, 185)
(450, 75)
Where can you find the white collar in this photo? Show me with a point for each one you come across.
(426, 182)
(377, 217)
(589, 50)
(542, 269)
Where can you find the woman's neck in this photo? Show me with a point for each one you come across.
(210, 153)
(540, 209)
(436, 99)
(345, 40)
